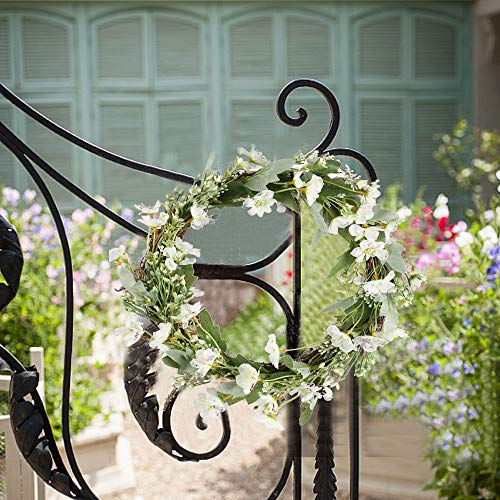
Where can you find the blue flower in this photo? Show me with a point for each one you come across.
(467, 322)
(435, 368)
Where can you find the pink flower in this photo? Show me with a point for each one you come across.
(426, 260)
(449, 257)
(80, 216)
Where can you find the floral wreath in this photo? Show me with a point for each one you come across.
(161, 287)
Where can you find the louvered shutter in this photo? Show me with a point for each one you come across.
(251, 48)
(432, 117)
(177, 48)
(181, 136)
(120, 49)
(253, 122)
(308, 48)
(122, 130)
(435, 49)
(379, 45)
(46, 49)
(7, 165)
(54, 150)
(5, 63)
(381, 137)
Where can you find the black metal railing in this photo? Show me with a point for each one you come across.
(30, 423)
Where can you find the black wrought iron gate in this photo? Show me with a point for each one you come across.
(30, 423)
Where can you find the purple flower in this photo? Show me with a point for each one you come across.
(467, 322)
(472, 414)
(453, 395)
(10, 196)
(435, 368)
(468, 369)
(450, 348)
(438, 422)
(29, 195)
(424, 344)
(457, 441)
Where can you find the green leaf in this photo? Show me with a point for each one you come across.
(269, 174)
(255, 394)
(208, 325)
(384, 215)
(395, 259)
(231, 388)
(343, 261)
(188, 273)
(316, 210)
(235, 191)
(305, 416)
(340, 304)
(170, 362)
(287, 360)
(286, 197)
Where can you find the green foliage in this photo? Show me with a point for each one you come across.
(36, 317)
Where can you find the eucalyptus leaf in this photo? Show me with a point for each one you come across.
(343, 261)
(287, 199)
(268, 174)
(255, 394)
(231, 388)
(384, 215)
(316, 209)
(340, 304)
(305, 416)
(395, 259)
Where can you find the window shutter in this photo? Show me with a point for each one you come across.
(177, 48)
(435, 47)
(181, 136)
(308, 48)
(122, 130)
(5, 68)
(380, 48)
(432, 117)
(46, 49)
(55, 151)
(253, 122)
(381, 137)
(120, 49)
(251, 48)
(7, 162)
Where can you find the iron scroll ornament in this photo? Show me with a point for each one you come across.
(30, 424)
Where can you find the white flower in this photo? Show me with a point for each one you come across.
(390, 335)
(154, 220)
(441, 209)
(403, 213)
(308, 393)
(313, 188)
(260, 204)
(116, 253)
(145, 209)
(373, 192)
(196, 293)
(257, 158)
(159, 337)
(337, 223)
(312, 158)
(203, 361)
(340, 339)
(416, 282)
(247, 377)
(368, 249)
(186, 247)
(368, 343)
(265, 410)
(464, 239)
(187, 312)
(297, 181)
(489, 215)
(200, 217)
(370, 233)
(273, 350)
(488, 234)
(379, 288)
(132, 329)
(209, 404)
(364, 213)
(172, 255)
(280, 208)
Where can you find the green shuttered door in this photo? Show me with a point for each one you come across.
(169, 84)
